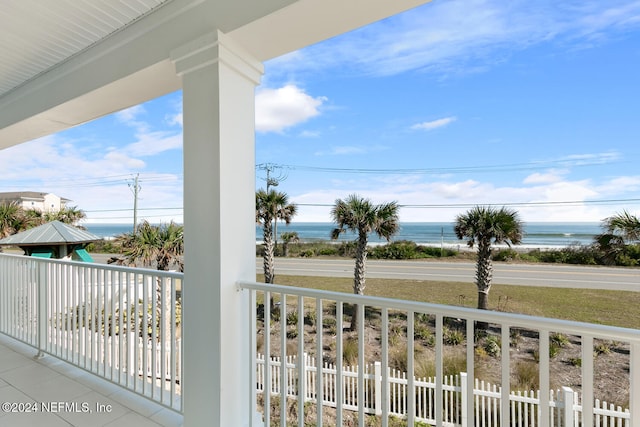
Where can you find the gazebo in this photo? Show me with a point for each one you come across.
(54, 239)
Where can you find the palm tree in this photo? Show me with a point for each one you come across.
(12, 219)
(625, 225)
(621, 230)
(363, 217)
(483, 226)
(69, 215)
(289, 237)
(272, 206)
(160, 246)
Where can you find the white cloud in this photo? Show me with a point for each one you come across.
(175, 119)
(434, 124)
(152, 143)
(124, 160)
(130, 114)
(443, 199)
(282, 108)
(589, 159)
(309, 134)
(129, 117)
(462, 36)
(341, 151)
(545, 178)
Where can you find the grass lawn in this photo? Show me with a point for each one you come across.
(615, 308)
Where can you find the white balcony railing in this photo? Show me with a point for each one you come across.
(288, 335)
(119, 323)
(123, 324)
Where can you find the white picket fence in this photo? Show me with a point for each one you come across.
(565, 404)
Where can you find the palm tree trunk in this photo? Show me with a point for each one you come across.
(268, 263)
(484, 274)
(359, 275)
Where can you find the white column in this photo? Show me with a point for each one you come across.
(218, 80)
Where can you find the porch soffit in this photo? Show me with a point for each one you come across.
(69, 61)
(38, 35)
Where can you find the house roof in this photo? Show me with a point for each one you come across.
(14, 195)
(51, 233)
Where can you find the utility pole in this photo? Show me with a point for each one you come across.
(273, 182)
(135, 188)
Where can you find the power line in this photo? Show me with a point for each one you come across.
(509, 167)
(516, 204)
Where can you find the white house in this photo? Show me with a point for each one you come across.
(43, 202)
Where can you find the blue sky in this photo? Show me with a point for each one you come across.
(455, 103)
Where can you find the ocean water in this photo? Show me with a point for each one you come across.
(542, 234)
(536, 234)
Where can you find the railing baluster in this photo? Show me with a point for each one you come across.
(634, 381)
(506, 374)
(319, 364)
(411, 387)
(543, 374)
(302, 380)
(361, 361)
(587, 379)
(439, 370)
(339, 368)
(268, 387)
(385, 367)
(42, 309)
(283, 358)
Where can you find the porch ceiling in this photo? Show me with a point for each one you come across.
(66, 62)
(38, 35)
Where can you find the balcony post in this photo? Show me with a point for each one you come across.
(218, 81)
(567, 400)
(378, 388)
(464, 409)
(634, 382)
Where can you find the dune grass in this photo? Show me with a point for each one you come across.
(614, 308)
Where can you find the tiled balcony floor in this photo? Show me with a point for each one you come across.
(24, 379)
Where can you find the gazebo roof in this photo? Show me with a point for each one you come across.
(51, 233)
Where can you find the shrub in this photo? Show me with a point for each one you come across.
(405, 249)
(350, 351)
(292, 333)
(554, 350)
(575, 361)
(602, 348)
(307, 253)
(515, 338)
(396, 250)
(347, 249)
(526, 376)
(424, 318)
(452, 336)
(330, 324)
(505, 255)
(292, 317)
(423, 333)
(105, 247)
(328, 251)
(310, 318)
(561, 340)
(492, 346)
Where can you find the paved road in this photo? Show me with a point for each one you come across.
(552, 275)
